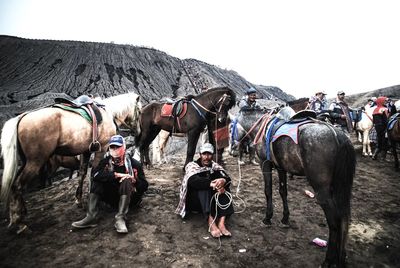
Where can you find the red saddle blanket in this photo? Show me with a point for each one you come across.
(166, 110)
(221, 135)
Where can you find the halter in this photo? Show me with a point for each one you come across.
(221, 100)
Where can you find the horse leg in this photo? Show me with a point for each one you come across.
(146, 143)
(16, 202)
(163, 146)
(193, 138)
(156, 150)
(267, 174)
(336, 234)
(283, 194)
(396, 159)
(82, 175)
(364, 143)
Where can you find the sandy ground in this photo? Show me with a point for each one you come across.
(158, 237)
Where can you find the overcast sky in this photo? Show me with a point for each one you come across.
(299, 46)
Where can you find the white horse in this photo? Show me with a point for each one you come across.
(363, 127)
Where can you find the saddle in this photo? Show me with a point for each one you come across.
(177, 110)
(286, 123)
(392, 121)
(88, 109)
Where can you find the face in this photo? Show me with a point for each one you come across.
(206, 158)
(252, 97)
(117, 153)
(341, 97)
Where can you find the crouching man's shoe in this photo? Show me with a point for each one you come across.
(91, 215)
(123, 208)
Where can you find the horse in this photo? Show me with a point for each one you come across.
(299, 104)
(201, 109)
(37, 135)
(325, 155)
(394, 135)
(363, 125)
(55, 161)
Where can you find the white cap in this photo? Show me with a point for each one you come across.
(207, 147)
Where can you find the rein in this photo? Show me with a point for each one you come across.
(267, 115)
(369, 117)
(221, 100)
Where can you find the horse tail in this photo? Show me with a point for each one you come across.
(9, 152)
(342, 183)
(137, 116)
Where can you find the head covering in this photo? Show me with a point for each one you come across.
(117, 140)
(117, 154)
(381, 101)
(320, 92)
(251, 91)
(341, 92)
(207, 147)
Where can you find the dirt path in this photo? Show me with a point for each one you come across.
(158, 237)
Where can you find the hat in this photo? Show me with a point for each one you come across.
(320, 92)
(341, 92)
(251, 91)
(207, 147)
(116, 140)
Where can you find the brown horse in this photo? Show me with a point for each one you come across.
(299, 104)
(35, 136)
(201, 109)
(394, 138)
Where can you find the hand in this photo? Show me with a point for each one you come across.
(218, 184)
(122, 177)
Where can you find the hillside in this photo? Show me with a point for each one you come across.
(33, 72)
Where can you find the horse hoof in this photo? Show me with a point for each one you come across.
(78, 203)
(284, 225)
(267, 222)
(18, 228)
(22, 228)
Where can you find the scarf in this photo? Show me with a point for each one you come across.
(346, 112)
(191, 169)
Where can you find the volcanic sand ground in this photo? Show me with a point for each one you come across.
(157, 237)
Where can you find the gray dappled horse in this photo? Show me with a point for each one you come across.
(326, 157)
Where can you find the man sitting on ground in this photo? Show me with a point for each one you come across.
(205, 182)
(118, 180)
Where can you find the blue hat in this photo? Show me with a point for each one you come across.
(116, 140)
(251, 91)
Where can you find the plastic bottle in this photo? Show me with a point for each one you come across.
(320, 242)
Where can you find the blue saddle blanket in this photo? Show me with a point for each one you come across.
(392, 120)
(290, 130)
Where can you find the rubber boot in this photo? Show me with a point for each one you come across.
(123, 209)
(91, 215)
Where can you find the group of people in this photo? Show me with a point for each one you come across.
(340, 114)
(119, 181)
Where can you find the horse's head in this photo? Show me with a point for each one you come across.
(125, 109)
(218, 101)
(132, 118)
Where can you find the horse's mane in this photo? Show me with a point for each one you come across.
(222, 89)
(122, 104)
